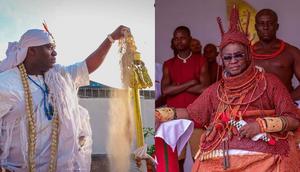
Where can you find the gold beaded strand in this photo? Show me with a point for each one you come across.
(32, 135)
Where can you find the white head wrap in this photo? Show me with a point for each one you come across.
(17, 51)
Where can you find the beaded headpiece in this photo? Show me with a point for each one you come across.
(235, 32)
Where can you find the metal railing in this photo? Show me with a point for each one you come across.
(108, 92)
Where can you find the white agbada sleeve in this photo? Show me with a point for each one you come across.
(8, 98)
(6, 103)
(79, 73)
(80, 76)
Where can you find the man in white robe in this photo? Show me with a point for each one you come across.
(51, 86)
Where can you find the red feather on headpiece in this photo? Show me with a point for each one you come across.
(47, 30)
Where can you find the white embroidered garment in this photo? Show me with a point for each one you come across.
(175, 133)
(74, 121)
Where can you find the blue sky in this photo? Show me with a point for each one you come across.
(80, 26)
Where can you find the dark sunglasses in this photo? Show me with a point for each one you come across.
(237, 56)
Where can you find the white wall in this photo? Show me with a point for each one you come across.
(200, 17)
(98, 110)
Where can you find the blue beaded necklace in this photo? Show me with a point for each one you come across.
(48, 108)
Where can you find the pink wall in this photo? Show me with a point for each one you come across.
(200, 17)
